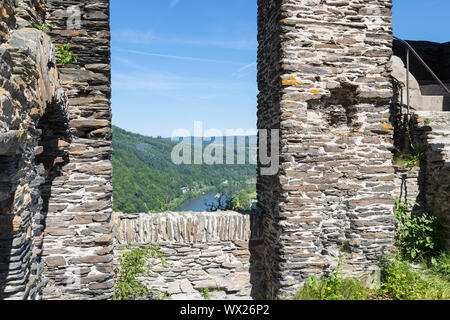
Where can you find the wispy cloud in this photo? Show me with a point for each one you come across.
(141, 78)
(245, 70)
(144, 53)
(173, 3)
(148, 37)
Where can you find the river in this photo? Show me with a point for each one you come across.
(199, 204)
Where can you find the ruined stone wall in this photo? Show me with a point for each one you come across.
(324, 73)
(217, 251)
(323, 78)
(78, 236)
(30, 94)
(55, 152)
(431, 131)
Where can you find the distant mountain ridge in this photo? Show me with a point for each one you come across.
(145, 179)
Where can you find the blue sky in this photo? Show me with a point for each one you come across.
(174, 62)
(178, 61)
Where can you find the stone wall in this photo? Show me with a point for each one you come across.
(78, 241)
(431, 130)
(30, 95)
(217, 251)
(324, 73)
(323, 78)
(55, 152)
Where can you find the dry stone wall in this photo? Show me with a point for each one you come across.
(431, 131)
(324, 73)
(30, 94)
(78, 240)
(324, 87)
(55, 152)
(218, 252)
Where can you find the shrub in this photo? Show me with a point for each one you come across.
(223, 204)
(417, 237)
(440, 265)
(133, 263)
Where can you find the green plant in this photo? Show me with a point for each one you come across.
(44, 27)
(205, 293)
(343, 289)
(135, 262)
(427, 121)
(334, 287)
(413, 158)
(417, 237)
(440, 265)
(400, 282)
(64, 55)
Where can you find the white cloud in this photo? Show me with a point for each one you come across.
(141, 78)
(144, 53)
(245, 70)
(148, 37)
(173, 3)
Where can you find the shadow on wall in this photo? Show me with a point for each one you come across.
(434, 175)
(436, 55)
(256, 247)
(429, 184)
(53, 155)
(25, 186)
(10, 271)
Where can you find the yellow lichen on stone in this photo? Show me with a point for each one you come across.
(291, 81)
(387, 127)
(314, 91)
(336, 133)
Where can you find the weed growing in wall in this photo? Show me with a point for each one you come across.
(206, 294)
(414, 157)
(134, 262)
(44, 27)
(64, 55)
(409, 160)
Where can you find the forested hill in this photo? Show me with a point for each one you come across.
(145, 179)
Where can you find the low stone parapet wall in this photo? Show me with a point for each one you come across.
(207, 255)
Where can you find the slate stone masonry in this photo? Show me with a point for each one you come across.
(323, 75)
(217, 251)
(324, 82)
(78, 240)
